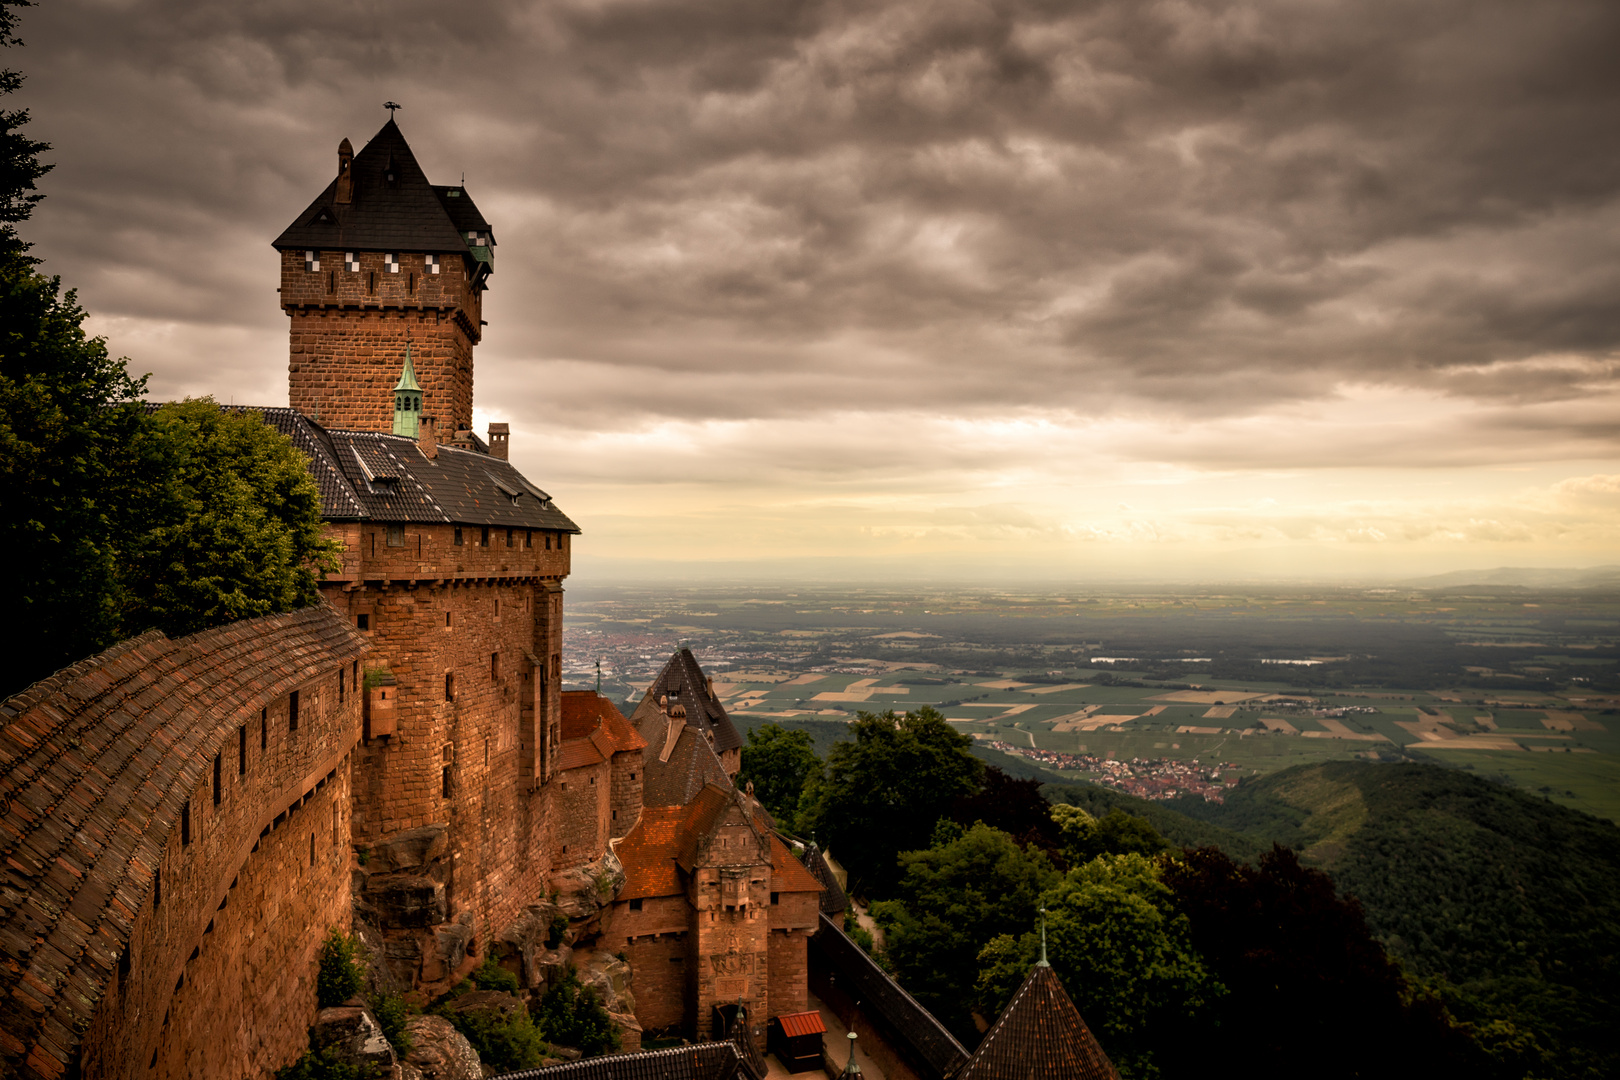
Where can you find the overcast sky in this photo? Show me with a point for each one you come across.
(1305, 288)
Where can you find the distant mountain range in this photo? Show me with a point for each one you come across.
(1524, 577)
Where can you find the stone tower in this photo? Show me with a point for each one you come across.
(379, 260)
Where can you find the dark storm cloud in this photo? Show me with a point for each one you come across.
(737, 209)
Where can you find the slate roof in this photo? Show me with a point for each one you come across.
(787, 873)
(682, 681)
(691, 764)
(408, 215)
(95, 763)
(906, 1023)
(368, 475)
(703, 1061)
(1039, 1036)
(593, 730)
(833, 898)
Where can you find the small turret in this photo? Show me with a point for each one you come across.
(407, 400)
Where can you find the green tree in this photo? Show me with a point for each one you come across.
(1124, 954)
(952, 900)
(778, 762)
(884, 791)
(75, 460)
(1116, 833)
(19, 155)
(243, 537)
(573, 1015)
(338, 976)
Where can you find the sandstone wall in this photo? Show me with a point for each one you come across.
(348, 331)
(176, 845)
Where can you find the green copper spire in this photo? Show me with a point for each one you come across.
(407, 400)
(1042, 961)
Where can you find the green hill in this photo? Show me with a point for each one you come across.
(1512, 900)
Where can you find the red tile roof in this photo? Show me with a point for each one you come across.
(805, 1023)
(593, 730)
(787, 873)
(648, 854)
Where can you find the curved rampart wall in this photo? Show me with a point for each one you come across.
(172, 848)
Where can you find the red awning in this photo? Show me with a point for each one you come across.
(805, 1023)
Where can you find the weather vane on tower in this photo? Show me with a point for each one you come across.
(392, 107)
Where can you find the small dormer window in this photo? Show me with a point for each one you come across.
(433, 264)
(391, 262)
(351, 262)
(454, 193)
(312, 262)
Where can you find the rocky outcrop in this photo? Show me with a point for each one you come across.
(610, 977)
(355, 1035)
(537, 946)
(401, 893)
(439, 1052)
(583, 891)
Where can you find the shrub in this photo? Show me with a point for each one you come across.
(572, 1014)
(392, 1013)
(491, 976)
(504, 1041)
(559, 927)
(325, 1065)
(339, 978)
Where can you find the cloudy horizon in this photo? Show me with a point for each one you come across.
(1178, 289)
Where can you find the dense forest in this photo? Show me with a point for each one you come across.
(1347, 919)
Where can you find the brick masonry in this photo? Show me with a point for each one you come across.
(131, 829)
(347, 333)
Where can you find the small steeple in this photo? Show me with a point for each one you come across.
(1042, 961)
(407, 400)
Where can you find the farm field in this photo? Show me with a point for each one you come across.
(1519, 687)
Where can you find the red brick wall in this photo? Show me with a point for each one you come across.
(789, 970)
(348, 331)
(580, 814)
(500, 824)
(625, 806)
(220, 979)
(660, 984)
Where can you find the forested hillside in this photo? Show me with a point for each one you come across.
(1510, 901)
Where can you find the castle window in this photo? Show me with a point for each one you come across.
(528, 538)
(774, 897)
(351, 262)
(391, 262)
(362, 622)
(216, 780)
(495, 666)
(458, 544)
(449, 687)
(508, 537)
(185, 823)
(396, 536)
(497, 607)
(635, 905)
(447, 619)
(433, 264)
(241, 750)
(340, 686)
(548, 541)
(444, 780)
(264, 729)
(292, 711)
(312, 262)
(483, 537)
(157, 887)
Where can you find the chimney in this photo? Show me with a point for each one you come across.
(345, 182)
(425, 440)
(498, 436)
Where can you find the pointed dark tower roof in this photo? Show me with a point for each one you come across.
(683, 683)
(387, 204)
(1039, 1036)
(833, 900)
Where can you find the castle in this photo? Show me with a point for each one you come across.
(182, 820)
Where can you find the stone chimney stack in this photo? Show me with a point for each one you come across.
(499, 434)
(425, 440)
(345, 184)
